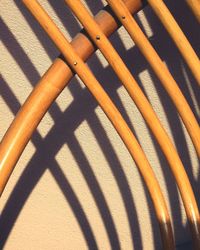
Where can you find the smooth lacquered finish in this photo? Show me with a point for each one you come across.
(37, 104)
(55, 79)
(145, 108)
(110, 110)
(160, 69)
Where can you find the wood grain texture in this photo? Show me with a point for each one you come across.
(112, 113)
(195, 7)
(145, 108)
(178, 36)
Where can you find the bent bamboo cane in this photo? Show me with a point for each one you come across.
(195, 7)
(146, 110)
(46, 91)
(178, 36)
(112, 113)
(160, 69)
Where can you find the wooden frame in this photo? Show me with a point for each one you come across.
(160, 70)
(46, 91)
(56, 79)
(113, 114)
(144, 106)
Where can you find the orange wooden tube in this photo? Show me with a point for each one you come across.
(178, 36)
(37, 104)
(160, 69)
(113, 114)
(195, 7)
(146, 110)
(29, 116)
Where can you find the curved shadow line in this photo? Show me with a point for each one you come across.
(95, 189)
(24, 187)
(121, 179)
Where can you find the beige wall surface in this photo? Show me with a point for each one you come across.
(76, 186)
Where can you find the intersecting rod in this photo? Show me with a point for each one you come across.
(110, 110)
(46, 91)
(145, 108)
(160, 69)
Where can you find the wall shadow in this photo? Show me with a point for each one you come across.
(82, 98)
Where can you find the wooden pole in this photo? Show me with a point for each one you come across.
(146, 110)
(112, 113)
(178, 36)
(46, 91)
(195, 7)
(160, 69)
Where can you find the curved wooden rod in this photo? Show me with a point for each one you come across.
(46, 91)
(195, 7)
(160, 69)
(112, 113)
(146, 110)
(178, 36)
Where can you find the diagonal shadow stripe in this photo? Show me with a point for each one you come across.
(55, 114)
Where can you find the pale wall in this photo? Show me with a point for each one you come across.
(76, 183)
